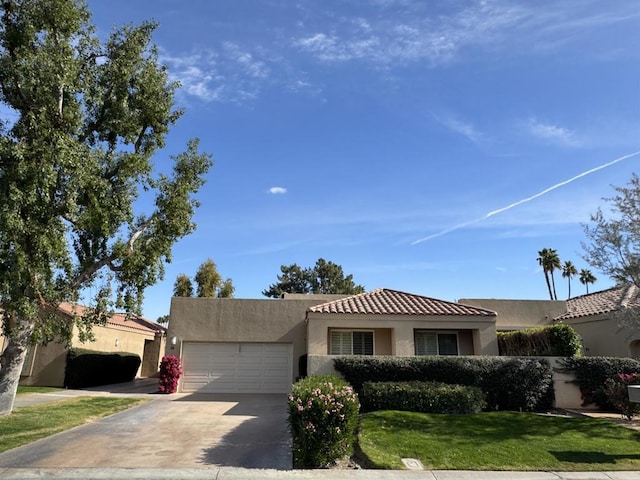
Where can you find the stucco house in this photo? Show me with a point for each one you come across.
(236, 345)
(45, 364)
(242, 345)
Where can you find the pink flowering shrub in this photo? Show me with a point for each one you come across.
(323, 416)
(618, 395)
(170, 372)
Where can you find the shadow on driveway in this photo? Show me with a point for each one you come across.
(261, 440)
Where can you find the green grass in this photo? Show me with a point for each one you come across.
(497, 441)
(25, 390)
(28, 424)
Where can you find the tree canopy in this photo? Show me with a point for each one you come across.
(323, 277)
(85, 119)
(183, 287)
(614, 240)
(209, 283)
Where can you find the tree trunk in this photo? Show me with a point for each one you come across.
(11, 364)
(553, 282)
(546, 277)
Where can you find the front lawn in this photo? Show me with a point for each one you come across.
(24, 390)
(28, 424)
(497, 441)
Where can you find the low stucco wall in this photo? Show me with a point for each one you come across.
(567, 393)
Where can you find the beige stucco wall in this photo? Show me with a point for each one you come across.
(128, 340)
(402, 327)
(48, 366)
(519, 314)
(241, 320)
(602, 336)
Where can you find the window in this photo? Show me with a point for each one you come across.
(434, 343)
(345, 342)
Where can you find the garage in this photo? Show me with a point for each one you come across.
(236, 367)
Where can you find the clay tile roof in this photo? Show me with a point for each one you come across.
(602, 302)
(120, 319)
(383, 301)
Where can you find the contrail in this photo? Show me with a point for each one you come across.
(525, 200)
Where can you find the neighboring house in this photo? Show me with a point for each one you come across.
(236, 345)
(590, 315)
(45, 364)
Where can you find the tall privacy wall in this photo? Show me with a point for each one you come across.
(567, 393)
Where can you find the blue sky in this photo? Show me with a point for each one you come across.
(382, 135)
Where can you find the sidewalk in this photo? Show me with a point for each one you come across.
(255, 474)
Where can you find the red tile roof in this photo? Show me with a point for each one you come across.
(383, 301)
(602, 302)
(119, 319)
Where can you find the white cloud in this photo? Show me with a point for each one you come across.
(401, 31)
(228, 74)
(460, 127)
(277, 190)
(552, 133)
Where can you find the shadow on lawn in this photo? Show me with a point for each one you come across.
(592, 457)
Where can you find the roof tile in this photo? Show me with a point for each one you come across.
(602, 302)
(384, 301)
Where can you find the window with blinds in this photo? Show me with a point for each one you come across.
(346, 342)
(433, 343)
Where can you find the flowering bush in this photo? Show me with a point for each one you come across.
(323, 416)
(618, 395)
(170, 372)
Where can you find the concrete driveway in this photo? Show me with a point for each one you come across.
(181, 430)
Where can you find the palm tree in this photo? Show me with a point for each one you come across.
(549, 261)
(568, 271)
(586, 277)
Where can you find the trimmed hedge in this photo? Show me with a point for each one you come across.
(323, 416)
(88, 368)
(592, 372)
(559, 340)
(425, 397)
(508, 383)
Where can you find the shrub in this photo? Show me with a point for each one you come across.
(559, 340)
(618, 394)
(592, 372)
(508, 383)
(170, 372)
(88, 368)
(323, 416)
(425, 397)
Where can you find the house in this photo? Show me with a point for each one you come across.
(236, 345)
(591, 316)
(45, 364)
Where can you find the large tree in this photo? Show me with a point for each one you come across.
(614, 240)
(549, 260)
(83, 120)
(586, 277)
(568, 271)
(323, 277)
(183, 287)
(210, 283)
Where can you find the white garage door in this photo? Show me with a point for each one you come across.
(236, 367)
